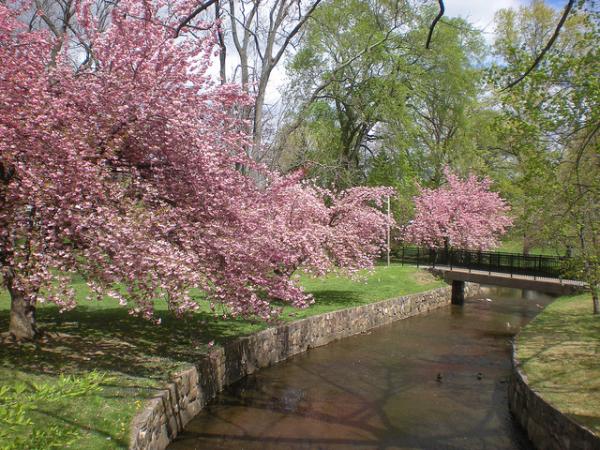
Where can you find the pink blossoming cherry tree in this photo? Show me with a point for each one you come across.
(121, 166)
(461, 214)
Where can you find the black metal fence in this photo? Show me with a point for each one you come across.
(512, 263)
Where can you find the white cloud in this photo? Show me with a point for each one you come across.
(477, 12)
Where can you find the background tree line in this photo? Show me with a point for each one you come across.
(365, 101)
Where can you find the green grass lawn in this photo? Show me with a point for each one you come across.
(513, 245)
(138, 356)
(560, 353)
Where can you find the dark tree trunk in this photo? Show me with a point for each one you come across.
(526, 245)
(596, 299)
(22, 317)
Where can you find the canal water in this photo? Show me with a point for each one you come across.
(436, 381)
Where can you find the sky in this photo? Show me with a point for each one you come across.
(479, 12)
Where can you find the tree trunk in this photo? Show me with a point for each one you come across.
(22, 317)
(596, 298)
(222, 46)
(526, 245)
(257, 131)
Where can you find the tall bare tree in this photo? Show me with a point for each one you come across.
(260, 32)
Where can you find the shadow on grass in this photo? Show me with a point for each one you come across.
(111, 340)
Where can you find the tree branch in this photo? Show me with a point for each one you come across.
(193, 14)
(434, 23)
(324, 84)
(294, 31)
(545, 49)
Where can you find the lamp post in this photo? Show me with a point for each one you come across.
(388, 231)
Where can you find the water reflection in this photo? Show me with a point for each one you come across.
(430, 382)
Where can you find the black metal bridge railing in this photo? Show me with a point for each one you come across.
(511, 263)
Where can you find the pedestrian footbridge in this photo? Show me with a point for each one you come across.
(529, 272)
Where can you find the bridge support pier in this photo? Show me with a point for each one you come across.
(458, 292)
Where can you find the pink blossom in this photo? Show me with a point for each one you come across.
(462, 214)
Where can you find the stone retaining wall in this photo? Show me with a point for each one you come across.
(165, 415)
(546, 426)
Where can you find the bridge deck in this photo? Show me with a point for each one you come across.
(535, 283)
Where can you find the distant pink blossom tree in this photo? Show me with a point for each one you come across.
(327, 230)
(461, 214)
(123, 168)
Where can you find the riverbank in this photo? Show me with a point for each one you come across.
(139, 357)
(557, 354)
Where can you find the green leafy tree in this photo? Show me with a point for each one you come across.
(393, 169)
(525, 127)
(386, 96)
(551, 123)
(346, 85)
(446, 114)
